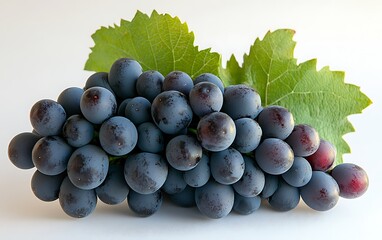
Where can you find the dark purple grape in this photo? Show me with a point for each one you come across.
(45, 187)
(178, 81)
(20, 149)
(216, 131)
(299, 174)
(205, 98)
(241, 101)
(253, 180)
(304, 140)
(270, 186)
(276, 122)
(149, 84)
(285, 198)
(98, 79)
(145, 205)
(227, 166)
(47, 117)
(321, 193)
(246, 205)
(248, 135)
(209, 77)
(352, 180)
(183, 152)
(274, 156)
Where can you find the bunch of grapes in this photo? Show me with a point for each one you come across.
(142, 137)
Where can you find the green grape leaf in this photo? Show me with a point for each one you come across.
(158, 42)
(319, 98)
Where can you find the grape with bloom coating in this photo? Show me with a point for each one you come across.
(352, 180)
(216, 131)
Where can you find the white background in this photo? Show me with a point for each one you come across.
(43, 49)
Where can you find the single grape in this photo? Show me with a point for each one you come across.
(248, 135)
(98, 79)
(321, 193)
(75, 202)
(179, 81)
(274, 156)
(118, 136)
(183, 152)
(45, 187)
(122, 107)
(304, 140)
(276, 122)
(323, 159)
(270, 186)
(246, 205)
(145, 205)
(241, 101)
(209, 77)
(47, 117)
(138, 110)
(352, 180)
(51, 154)
(174, 182)
(253, 180)
(123, 76)
(185, 198)
(145, 173)
(78, 131)
(214, 200)
(171, 112)
(216, 131)
(20, 149)
(150, 138)
(114, 189)
(88, 167)
(299, 174)
(227, 166)
(70, 100)
(205, 98)
(199, 175)
(149, 84)
(98, 104)
(285, 198)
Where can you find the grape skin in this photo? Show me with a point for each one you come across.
(145, 173)
(123, 76)
(199, 175)
(149, 84)
(20, 149)
(324, 158)
(246, 205)
(150, 138)
(88, 167)
(304, 140)
(138, 110)
(205, 98)
(171, 112)
(75, 202)
(70, 99)
(174, 182)
(183, 152)
(98, 104)
(248, 135)
(98, 79)
(321, 193)
(276, 122)
(51, 154)
(270, 186)
(352, 180)
(253, 180)
(285, 198)
(227, 166)
(78, 131)
(209, 77)
(118, 136)
(216, 131)
(145, 205)
(214, 200)
(274, 156)
(185, 198)
(241, 101)
(299, 174)
(47, 117)
(45, 187)
(179, 81)
(114, 188)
